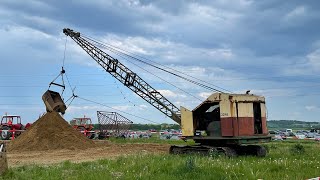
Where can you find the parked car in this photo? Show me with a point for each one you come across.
(277, 137)
(300, 136)
(288, 130)
(310, 135)
(145, 135)
(283, 135)
(152, 131)
(272, 132)
(291, 134)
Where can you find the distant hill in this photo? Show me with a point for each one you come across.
(143, 127)
(292, 124)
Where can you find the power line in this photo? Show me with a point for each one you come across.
(168, 82)
(174, 74)
(292, 95)
(39, 104)
(117, 110)
(107, 95)
(160, 78)
(215, 78)
(124, 96)
(136, 57)
(291, 87)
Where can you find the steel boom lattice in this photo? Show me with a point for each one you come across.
(126, 77)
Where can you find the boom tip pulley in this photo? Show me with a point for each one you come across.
(70, 32)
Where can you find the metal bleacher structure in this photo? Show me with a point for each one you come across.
(113, 122)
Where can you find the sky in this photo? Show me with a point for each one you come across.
(269, 47)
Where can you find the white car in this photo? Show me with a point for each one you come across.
(311, 135)
(277, 137)
(300, 136)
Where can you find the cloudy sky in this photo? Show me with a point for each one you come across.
(269, 47)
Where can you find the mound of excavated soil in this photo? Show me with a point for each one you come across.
(50, 132)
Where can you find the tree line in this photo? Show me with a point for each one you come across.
(144, 127)
(275, 124)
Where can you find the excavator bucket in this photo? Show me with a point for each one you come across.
(3, 159)
(53, 102)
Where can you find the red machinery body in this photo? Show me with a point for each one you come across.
(11, 123)
(83, 124)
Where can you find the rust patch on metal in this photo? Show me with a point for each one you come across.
(226, 126)
(264, 126)
(246, 126)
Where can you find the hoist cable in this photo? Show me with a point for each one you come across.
(157, 76)
(177, 75)
(64, 53)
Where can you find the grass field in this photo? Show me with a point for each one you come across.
(153, 139)
(286, 160)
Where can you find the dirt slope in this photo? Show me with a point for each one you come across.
(104, 150)
(50, 132)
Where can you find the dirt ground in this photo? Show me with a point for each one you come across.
(104, 150)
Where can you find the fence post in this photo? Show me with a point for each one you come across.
(13, 132)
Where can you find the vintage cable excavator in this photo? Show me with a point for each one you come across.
(232, 124)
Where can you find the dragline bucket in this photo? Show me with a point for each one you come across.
(53, 102)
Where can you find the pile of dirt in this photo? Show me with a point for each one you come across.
(50, 132)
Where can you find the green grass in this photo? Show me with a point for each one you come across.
(153, 139)
(280, 163)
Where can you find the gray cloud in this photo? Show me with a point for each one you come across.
(266, 28)
(236, 44)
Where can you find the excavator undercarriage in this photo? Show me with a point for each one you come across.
(231, 146)
(230, 151)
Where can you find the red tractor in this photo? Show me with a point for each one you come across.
(11, 122)
(83, 124)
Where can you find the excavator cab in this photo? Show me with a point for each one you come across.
(224, 115)
(53, 102)
(232, 124)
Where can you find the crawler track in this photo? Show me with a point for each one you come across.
(231, 151)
